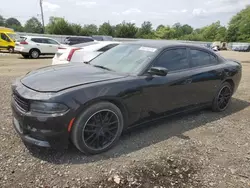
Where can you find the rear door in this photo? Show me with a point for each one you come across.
(39, 44)
(4, 41)
(207, 74)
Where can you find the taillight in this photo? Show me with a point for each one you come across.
(23, 42)
(72, 51)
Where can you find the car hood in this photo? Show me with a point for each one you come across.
(57, 78)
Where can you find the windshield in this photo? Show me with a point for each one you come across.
(125, 58)
(12, 36)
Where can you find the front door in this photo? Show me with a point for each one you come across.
(4, 41)
(170, 92)
(51, 46)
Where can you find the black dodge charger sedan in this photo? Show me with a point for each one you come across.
(133, 83)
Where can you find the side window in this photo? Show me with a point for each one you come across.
(4, 37)
(173, 60)
(213, 59)
(36, 40)
(106, 48)
(201, 58)
(50, 41)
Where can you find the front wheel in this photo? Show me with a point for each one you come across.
(222, 98)
(98, 128)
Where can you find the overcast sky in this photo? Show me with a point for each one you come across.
(167, 12)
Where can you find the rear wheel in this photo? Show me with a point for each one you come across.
(98, 128)
(223, 97)
(34, 54)
(11, 50)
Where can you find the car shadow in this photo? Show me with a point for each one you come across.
(43, 57)
(141, 136)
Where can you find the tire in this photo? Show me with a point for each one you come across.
(96, 122)
(223, 95)
(11, 50)
(34, 54)
(25, 56)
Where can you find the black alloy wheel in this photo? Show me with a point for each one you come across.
(98, 128)
(223, 97)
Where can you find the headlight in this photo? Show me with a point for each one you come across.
(48, 108)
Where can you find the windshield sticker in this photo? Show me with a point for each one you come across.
(148, 49)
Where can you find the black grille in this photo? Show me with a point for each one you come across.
(23, 104)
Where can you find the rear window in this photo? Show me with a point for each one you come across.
(107, 38)
(99, 38)
(21, 39)
(102, 38)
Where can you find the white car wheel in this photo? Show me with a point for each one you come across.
(34, 54)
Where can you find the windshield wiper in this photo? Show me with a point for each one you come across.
(102, 67)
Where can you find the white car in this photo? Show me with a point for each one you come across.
(34, 46)
(82, 53)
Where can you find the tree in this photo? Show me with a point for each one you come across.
(126, 30)
(59, 26)
(89, 30)
(146, 30)
(33, 26)
(221, 34)
(159, 27)
(239, 27)
(165, 32)
(76, 28)
(2, 21)
(14, 24)
(106, 29)
(186, 29)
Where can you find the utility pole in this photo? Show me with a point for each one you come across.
(41, 6)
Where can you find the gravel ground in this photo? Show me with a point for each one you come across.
(201, 149)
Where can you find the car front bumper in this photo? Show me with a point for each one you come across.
(43, 131)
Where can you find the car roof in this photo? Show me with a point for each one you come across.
(109, 42)
(78, 37)
(101, 36)
(98, 45)
(164, 44)
(27, 36)
(85, 44)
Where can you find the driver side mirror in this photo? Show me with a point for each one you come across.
(159, 71)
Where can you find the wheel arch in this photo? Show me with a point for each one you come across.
(10, 47)
(114, 100)
(35, 49)
(231, 82)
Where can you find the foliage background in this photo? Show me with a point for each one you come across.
(238, 29)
